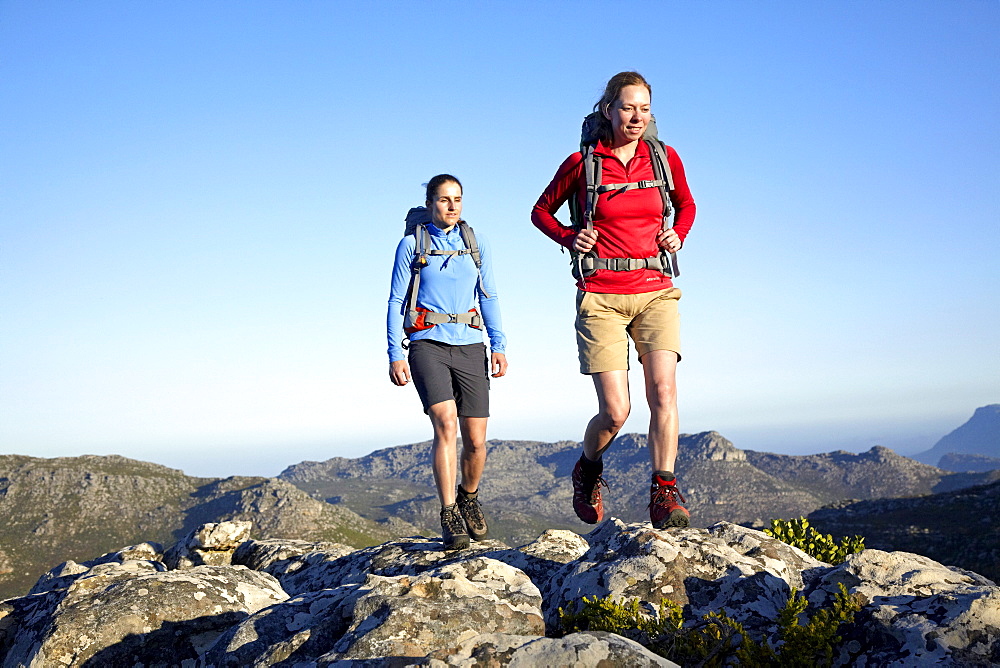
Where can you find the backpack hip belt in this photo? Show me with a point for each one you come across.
(626, 263)
(587, 264)
(422, 318)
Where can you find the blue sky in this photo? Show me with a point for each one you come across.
(199, 204)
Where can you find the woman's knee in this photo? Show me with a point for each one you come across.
(662, 395)
(444, 418)
(473, 435)
(614, 416)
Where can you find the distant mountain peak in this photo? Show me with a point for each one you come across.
(713, 446)
(980, 435)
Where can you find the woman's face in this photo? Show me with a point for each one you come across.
(629, 114)
(446, 207)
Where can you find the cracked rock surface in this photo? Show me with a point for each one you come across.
(409, 602)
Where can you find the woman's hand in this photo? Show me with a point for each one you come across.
(585, 241)
(399, 372)
(668, 240)
(498, 364)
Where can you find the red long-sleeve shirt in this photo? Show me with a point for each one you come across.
(627, 223)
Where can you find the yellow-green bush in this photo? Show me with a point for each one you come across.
(716, 639)
(798, 533)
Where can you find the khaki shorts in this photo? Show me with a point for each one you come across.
(605, 321)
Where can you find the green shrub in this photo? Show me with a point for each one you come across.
(798, 533)
(717, 639)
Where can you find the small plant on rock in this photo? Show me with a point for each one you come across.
(717, 639)
(798, 533)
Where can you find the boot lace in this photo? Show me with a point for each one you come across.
(666, 495)
(452, 521)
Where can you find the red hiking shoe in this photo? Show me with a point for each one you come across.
(587, 495)
(664, 508)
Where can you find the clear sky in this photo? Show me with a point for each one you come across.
(200, 201)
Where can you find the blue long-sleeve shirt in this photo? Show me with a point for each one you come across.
(448, 284)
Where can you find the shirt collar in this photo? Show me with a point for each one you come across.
(603, 149)
(438, 232)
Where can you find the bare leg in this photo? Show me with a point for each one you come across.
(660, 370)
(444, 417)
(473, 451)
(612, 410)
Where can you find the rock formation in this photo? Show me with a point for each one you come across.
(76, 507)
(407, 602)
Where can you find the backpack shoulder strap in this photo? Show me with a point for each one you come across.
(469, 239)
(421, 242)
(661, 172)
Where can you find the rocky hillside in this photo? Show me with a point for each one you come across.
(527, 488)
(218, 599)
(961, 528)
(979, 436)
(76, 507)
(954, 461)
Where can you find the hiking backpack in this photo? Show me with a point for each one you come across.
(416, 318)
(587, 264)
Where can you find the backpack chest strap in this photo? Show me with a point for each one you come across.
(625, 187)
(435, 251)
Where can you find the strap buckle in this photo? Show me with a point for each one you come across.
(619, 264)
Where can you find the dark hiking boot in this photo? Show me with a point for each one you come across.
(587, 491)
(453, 529)
(472, 513)
(664, 508)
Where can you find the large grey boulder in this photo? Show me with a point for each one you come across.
(211, 544)
(388, 616)
(67, 572)
(725, 566)
(127, 614)
(597, 648)
(916, 611)
(324, 569)
(277, 555)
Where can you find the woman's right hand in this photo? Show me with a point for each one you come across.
(399, 372)
(585, 240)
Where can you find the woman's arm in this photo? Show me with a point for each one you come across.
(564, 185)
(397, 297)
(680, 196)
(489, 307)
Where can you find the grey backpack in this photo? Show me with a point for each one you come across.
(586, 264)
(416, 318)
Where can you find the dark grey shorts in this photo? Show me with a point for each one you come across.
(443, 372)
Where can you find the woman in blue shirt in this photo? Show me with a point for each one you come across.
(447, 361)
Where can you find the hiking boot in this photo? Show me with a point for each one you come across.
(587, 492)
(453, 529)
(664, 509)
(472, 513)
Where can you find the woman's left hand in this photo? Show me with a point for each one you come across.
(668, 240)
(498, 364)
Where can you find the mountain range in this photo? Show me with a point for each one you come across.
(526, 486)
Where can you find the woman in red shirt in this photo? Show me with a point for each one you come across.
(628, 297)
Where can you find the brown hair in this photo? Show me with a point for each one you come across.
(437, 182)
(611, 93)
